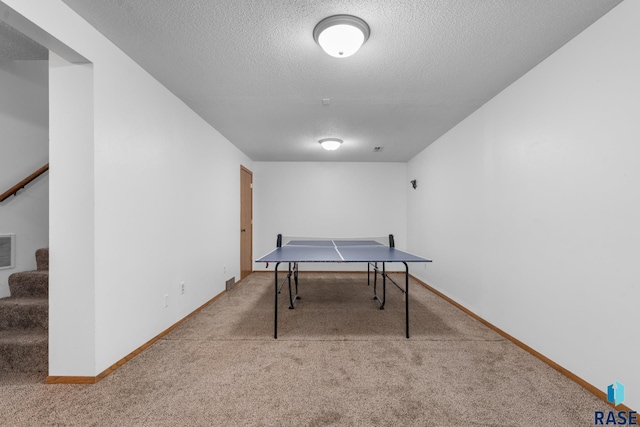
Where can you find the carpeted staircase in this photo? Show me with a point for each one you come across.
(24, 319)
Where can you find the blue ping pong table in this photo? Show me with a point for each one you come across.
(369, 251)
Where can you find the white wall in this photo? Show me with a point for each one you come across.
(530, 207)
(315, 199)
(24, 147)
(161, 189)
(72, 301)
(167, 207)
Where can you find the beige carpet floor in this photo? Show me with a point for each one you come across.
(338, 360)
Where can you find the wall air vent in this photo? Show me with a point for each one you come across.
(7, 251)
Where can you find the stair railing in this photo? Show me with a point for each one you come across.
(14, 190)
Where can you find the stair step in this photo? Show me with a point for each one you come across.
(42, 259)
(24, 350)
(29, 283)
(24, 313)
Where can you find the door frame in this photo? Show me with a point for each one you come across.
(244, 250)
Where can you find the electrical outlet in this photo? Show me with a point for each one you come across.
(166, 300)
(182, 288)
(224, 269)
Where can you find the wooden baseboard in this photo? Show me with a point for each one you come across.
(55, 379)
(573, 377)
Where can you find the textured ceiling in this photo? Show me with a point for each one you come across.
(252, 69)
(16, 46)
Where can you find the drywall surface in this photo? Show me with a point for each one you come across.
(529, 208)
(329, 200)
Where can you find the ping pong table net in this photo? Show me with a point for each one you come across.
(343, 241)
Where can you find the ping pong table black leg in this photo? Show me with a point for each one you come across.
(384, 285)
(406, 296)
(374, 271)
(375, 282)
(294, 272)
(275, 306)
(289, 282)
(375, 276)
(295, 277)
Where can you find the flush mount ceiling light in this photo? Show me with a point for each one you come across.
(330, 144)
(341, 35)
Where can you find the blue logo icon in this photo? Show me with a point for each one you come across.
(615, 393)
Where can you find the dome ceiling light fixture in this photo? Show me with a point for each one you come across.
(341, 35)
(330, 144)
